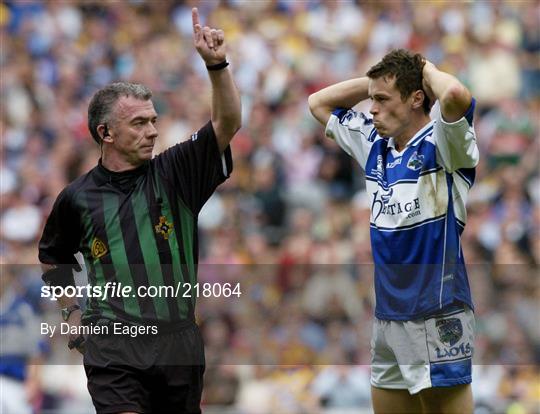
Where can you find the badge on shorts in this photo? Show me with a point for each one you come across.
(450, 330)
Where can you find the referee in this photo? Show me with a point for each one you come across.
(134, 220)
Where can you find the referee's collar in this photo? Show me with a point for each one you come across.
(103, 175)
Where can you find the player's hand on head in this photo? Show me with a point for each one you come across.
(428, 66)
(209, 42)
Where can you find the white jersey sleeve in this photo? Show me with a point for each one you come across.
(354, 132)
(456, 141)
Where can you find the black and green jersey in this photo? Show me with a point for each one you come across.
(138, 228)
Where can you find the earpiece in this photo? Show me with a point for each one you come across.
(106, 133)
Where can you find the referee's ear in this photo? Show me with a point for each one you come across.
(104, 134)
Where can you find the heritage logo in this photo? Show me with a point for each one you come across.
(381, 205)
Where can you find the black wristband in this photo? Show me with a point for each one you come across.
(59, 276)
(218, 66)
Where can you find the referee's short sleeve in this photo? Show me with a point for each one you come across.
(196, 167)
(60, 239)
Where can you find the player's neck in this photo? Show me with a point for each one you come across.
(417, 123)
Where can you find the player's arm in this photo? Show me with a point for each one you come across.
(345, 94)
(455, 137)
(454, 98)
(226, 109)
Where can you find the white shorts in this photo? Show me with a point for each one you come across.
(435, 351)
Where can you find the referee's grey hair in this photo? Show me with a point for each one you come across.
(102, 103)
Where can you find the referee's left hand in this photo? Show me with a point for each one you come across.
(209, 42)
(76, 341)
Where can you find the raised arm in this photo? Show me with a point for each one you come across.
(454, 98)
(226, 109)
(341, 95)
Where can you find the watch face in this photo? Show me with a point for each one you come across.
(67, 311)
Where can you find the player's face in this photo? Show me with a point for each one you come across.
(391, 115)
(134, 131)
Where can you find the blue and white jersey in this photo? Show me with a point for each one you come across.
(20, 338)
(418, 211)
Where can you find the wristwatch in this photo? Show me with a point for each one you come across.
(66, 312)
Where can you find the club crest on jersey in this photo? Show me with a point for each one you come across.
(450, 330)
(164, 227)
(416, 161)
(98, 248)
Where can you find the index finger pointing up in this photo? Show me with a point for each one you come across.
(195, 16)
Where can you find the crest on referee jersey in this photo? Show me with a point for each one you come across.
(450, 330)
(98, 248)
(164, 227)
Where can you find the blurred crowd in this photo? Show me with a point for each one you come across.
(291, 224)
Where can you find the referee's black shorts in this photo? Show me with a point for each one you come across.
(146, 374)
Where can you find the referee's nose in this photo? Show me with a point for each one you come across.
(152, 132)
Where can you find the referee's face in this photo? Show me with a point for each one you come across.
(391, 115)
(133, 131)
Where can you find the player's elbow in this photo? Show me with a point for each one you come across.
(457, 92)
(317, 108)
(455, 102)
(457, 96)
(314, 103)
